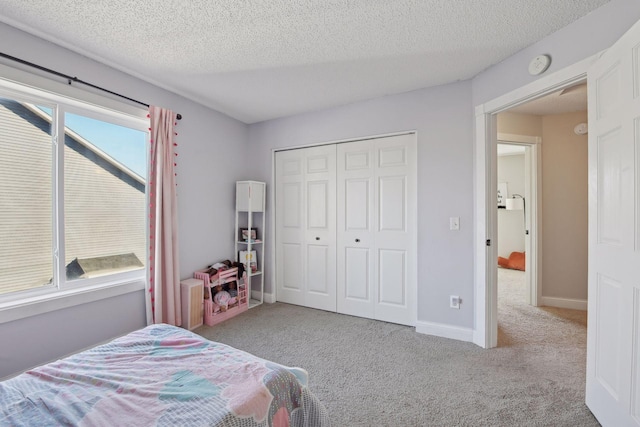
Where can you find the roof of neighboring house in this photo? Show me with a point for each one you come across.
(76, 142)
(103, 264)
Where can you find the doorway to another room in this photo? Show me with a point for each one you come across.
(514, 278)
(613, 201)
(542, 219)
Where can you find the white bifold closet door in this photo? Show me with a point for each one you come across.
(346, 228)
(306, 227)
(377, 229)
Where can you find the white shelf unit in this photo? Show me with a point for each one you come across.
(250, 214)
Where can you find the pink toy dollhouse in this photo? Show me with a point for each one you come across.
(214, 313)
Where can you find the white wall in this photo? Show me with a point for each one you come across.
(585, 37)
(442, 117)
(519, 124)
(38, 339)
(210, 147)
(511, 223)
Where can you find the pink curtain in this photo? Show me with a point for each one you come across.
(163, 296)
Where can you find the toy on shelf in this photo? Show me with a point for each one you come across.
(221, 281)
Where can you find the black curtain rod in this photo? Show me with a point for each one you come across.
(71, 79)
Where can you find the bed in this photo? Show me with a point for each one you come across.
(161, 375)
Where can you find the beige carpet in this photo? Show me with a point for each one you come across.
(370, 373)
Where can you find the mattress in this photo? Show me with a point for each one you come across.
(161, 375)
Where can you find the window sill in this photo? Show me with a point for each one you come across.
(33, 306)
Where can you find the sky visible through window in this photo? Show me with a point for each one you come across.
(127, 146)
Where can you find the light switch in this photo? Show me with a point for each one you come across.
(454, 223)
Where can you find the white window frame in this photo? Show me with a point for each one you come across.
(63, 98)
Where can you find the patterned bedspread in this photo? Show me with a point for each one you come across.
(160, 375)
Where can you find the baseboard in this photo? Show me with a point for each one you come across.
(574, 304)
(268, 298)
(445, 331)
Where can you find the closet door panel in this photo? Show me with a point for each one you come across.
(292, 193)
(317, 279)
(356, 265)
(356, 159)
(320, 227)
(357, 274)
(392, 196)
(396, 229)
(289, 236)
(392, 156)
(317, 205)
(292, 275)
(356, 201)
(392, 285)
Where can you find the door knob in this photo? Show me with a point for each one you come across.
(357, 240)
(317, 238)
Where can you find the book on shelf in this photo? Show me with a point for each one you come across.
(250, 260)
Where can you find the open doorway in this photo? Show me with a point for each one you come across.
(613, 224)
(547, 217)
(513, 276)
(485, 265)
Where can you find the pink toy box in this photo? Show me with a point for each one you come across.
(214, 313)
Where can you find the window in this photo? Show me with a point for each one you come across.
(73, 200)
(26, 202)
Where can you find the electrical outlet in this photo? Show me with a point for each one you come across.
(454, 301)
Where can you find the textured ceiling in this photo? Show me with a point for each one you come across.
(563, 101)
(257, 60)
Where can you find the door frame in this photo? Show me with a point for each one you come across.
(485, 333)
(533, 210)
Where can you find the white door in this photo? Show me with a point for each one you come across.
(613, 337)
(532, 185)
(356, 236)
(290, 235)
(320, 227)
(306, 227)
(377, 229)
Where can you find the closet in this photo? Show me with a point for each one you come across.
(346, 227)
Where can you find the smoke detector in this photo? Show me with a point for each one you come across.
(581, 129)
(539, 64)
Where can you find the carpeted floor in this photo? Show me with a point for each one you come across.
(370, 373)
